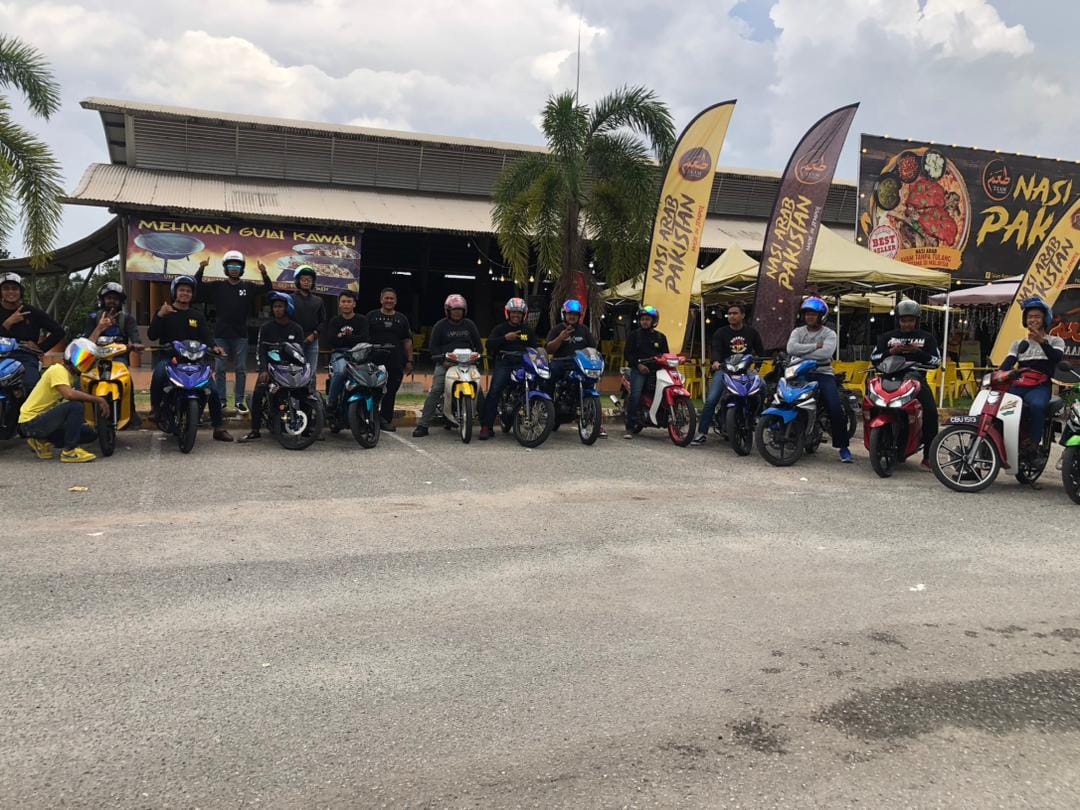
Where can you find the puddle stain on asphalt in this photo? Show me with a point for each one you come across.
(1047, 701)
(759, 735)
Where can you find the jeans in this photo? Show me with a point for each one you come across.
(838, 421)
(500, 378)
(31, 368)
(394, 375)
(1035, 402)
(157, 390)
(338, 364)
(633, 403)
(311, 355)
(235, 350)
(716, 390)
(63, 425)
(560, 367)
(257, 399)
(438, 390)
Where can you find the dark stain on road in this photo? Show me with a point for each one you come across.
(772, 670)
(1067, 633)
(760, 735)
(1043, 701)
(1009, 631)
(887, 638)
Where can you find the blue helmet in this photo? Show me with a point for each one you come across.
(290, 307)
(652, 312)
(572, 305)
(815, 304)
(1035, 302)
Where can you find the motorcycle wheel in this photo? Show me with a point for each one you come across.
(589, 421)
(812, 442)
(187, 424)
(947, 459)
(106, 430)
(779, 444)
(466, 414)
(534, 432)
(740, 434)
(883, 454)
(682, 420)
(9, 420)
(364, 429)
(287, 435)
(1070, 473)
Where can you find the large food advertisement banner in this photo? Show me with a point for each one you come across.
(159, 249)
(979, 214)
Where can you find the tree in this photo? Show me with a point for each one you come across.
(597, 185)
(30, 177)
(71, 297)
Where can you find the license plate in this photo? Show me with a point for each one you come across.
(963, 420)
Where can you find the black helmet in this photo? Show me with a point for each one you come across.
(304, 270)
(908, 308)
(110, 287)
(176, 282)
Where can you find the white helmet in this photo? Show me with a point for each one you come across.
(11, 278)
(233, 256)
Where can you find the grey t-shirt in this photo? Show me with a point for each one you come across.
(803, 344)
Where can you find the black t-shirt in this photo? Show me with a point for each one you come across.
(232, 303)
(497, 342)
(644, 344)
(274, 332)
(581, 339)
(344, 333)
(928, 352)
(448, 335)
(182, 324)
(31, 328)
(727, 342)
(392, 328)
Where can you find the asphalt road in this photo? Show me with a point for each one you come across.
(428, 624)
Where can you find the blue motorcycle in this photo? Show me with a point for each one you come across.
(365, 384)
(187, 392)
(740, 403)
(523, 406)
(12, 391)
(577, 396)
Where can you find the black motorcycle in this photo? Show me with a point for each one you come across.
(365, 385)
(292, 410)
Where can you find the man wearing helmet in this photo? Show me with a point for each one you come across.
(345, 330)
(504, 345)
(119, 327)
(1041, 355)
(455, 331)
(36, 332)
(309, 311)
(735, 337)
(390, 327)
(566, 338)
(643, 344)
(53, 413)
(921, 347)
(231, 300)
(179, 320)
(815, 341)
(280, 329)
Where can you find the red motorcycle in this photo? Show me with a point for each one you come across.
(892, 413)
(665, 402)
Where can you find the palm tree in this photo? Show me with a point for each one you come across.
(596, 184)
(30, 177)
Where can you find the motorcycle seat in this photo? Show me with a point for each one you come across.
(1054, 405)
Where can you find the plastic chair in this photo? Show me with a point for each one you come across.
(964, 381)
(693, 378)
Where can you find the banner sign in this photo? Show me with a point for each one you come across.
(978, 214)
(1054, 266)
(159, 249)
(680, 218)
(793, 228)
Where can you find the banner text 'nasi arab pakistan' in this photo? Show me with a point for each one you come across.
(680, 218)
(793, 228)
(1046, 277)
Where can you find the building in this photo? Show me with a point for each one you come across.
(420, 203)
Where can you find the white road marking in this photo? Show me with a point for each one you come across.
(433, 458)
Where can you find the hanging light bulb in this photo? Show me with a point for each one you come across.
(478, 261)
(532, 279)
(708, 320)
(591, 265)
(620, 317)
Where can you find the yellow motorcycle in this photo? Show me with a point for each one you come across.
(111, 380)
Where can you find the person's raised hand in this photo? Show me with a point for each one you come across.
(165, 309)
(17, 317)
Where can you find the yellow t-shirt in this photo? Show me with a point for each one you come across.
(45, 397)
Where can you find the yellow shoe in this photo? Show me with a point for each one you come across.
(43, 449)
(77, 455)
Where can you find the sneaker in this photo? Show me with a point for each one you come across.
(485, 434)
(628, 435)
(603, 433)
(419, 432)
(254, 435)
(698, 440)
(387, 426)
(134, 423)
(222, 435)
(76, 456)
(242, 409)
(43, 449)
(925, 464)
(845, 455)
(154, 416)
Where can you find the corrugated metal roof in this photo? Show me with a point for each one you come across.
(100, 246)
(117, 186)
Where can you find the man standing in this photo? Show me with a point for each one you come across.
(231, 300)
(733, 338)
(32, 327)
(310, 312)
(388, 326)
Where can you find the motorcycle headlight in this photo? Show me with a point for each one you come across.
(878, 400)
(732, 390)
(593, 373)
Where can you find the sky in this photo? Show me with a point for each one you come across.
(989, 73)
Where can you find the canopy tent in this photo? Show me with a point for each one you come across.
(986, 295)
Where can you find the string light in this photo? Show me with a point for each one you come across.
(479, 261)
(591, 265)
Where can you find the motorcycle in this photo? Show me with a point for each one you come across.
(892, 414)
(1070, 440)
(523, 406)
(12, 390)
(665, 402)
(365, 383)
(577, 397)
(293, 412)
(968, 454)
(111, 380)
(796, 423)
(186, 393)
(740, 403)
(460, 402)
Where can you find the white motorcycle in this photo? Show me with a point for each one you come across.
(459, 404)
